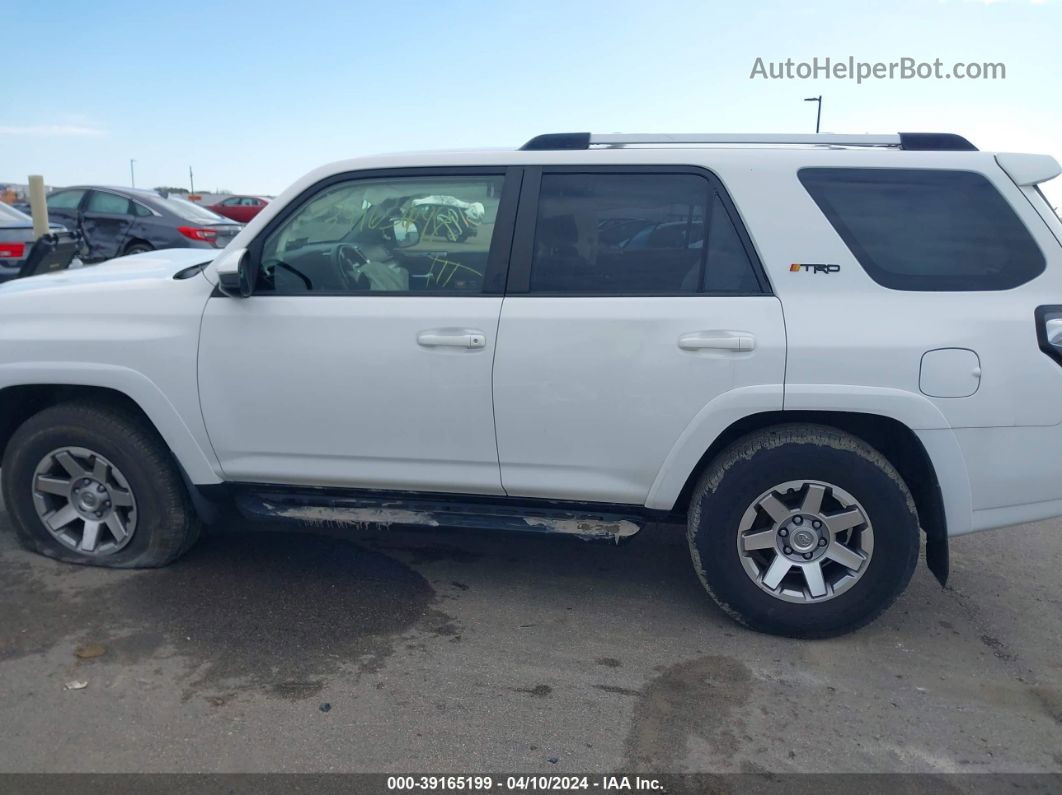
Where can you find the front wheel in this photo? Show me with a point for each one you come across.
(92, 484)
(804, 531)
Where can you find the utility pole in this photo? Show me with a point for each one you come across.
(132, 175)
(191, 179)
(818, 113)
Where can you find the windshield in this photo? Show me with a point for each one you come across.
(190, 211)
(9, 213)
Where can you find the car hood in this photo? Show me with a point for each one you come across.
(152, 266)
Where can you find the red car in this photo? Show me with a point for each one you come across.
(240, 208)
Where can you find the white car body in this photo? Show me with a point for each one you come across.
(590, 399)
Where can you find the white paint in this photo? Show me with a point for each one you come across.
(593, 397)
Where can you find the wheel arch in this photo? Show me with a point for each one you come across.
(896, 441)
(20, 401)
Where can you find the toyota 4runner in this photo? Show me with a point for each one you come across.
(811, 350)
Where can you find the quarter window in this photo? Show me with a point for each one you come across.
(926, 229)
(404, 235)
(636, 234)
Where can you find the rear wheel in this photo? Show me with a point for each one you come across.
(95, 485)
(803, 531)
(137, 248)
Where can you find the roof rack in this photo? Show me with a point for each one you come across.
(937, 142)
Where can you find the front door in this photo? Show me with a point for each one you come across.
(635, 301)
(364, 357)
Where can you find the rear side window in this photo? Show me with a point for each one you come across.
(926, 229)
(100, 202)
(635, 234)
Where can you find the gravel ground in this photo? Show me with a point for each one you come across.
(270, 648)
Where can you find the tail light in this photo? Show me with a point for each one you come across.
(1049, 331)
(12, 250)
(199, 233)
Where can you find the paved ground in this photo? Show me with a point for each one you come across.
(409, 651)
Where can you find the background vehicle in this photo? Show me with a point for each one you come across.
(114, 222)
(810, 363)
(16, 239)
(240, 208)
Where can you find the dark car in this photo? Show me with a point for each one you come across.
(240, 208)
(114, 222)
(16, 240)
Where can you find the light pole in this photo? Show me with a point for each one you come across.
(818, 113)
(132, 175)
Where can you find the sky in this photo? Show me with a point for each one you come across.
(253, 94)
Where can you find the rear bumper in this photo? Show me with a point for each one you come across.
(1015, 474)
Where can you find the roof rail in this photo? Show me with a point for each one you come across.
(937, 142)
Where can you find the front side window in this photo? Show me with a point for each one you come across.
(65, 199)
(636, 234)
(111, 203)
(926, 229)
(400, 235)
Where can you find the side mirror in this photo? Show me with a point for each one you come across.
(236, 274)
(406, 233)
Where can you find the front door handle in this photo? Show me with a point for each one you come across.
(717, 340)
(448, 338)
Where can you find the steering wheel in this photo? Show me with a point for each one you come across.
(348, 259)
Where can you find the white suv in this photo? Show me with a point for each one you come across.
(810, 349)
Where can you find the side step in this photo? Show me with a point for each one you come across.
(421, 510)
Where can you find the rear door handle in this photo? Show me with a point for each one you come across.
(448, 338)
(717, 340)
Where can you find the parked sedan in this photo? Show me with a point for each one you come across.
(16, 240)
(240, 208)
(114, 222)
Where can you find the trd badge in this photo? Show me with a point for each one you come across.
(814, 267)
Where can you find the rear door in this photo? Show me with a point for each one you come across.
(105, 223)
(634, 300)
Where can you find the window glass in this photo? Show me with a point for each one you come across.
(619, 234)
(65, 199)
(101, 202)
(728, 269)
(926, 229)
(405, 235)
(190, 211)
(233, 202)
(140, 210)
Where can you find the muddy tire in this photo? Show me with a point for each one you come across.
(803, 531)
(95, 484)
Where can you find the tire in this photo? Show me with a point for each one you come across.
(742, 529)
(138, 472)
(137, 248)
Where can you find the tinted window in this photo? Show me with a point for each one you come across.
(926, 229)
(403, 235)
(619, 233)
(728, 269)
(65, 199)
(140, 210)
(100, 202)
(636, 234)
